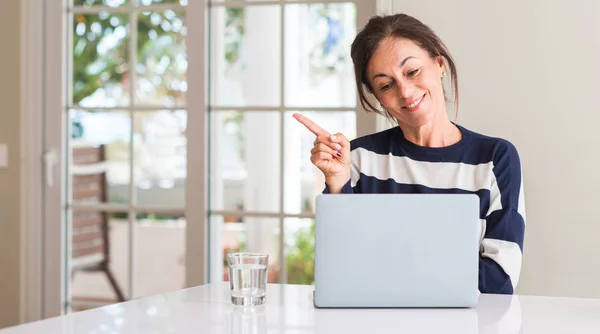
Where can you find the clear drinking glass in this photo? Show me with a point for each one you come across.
(248, 278)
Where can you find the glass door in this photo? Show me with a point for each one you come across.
(268, 60)
(126, 143)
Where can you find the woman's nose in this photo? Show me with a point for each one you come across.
(405, 90)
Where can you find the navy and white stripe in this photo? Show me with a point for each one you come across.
(386, 162)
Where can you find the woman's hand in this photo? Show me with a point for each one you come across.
(330, 154)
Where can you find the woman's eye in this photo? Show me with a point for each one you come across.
(386, 87)
(412, 73)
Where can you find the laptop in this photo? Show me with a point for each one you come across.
(396, 250)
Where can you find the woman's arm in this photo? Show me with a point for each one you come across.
(502, 244)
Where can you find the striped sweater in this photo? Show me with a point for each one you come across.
(385, 162)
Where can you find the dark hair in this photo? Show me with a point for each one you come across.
(400, 26)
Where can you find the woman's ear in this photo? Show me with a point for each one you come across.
(442, 64)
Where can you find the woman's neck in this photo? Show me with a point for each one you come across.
(439, 132)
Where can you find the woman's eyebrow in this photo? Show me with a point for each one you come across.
(401, 64)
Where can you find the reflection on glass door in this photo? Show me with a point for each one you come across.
(127, 121)
(267, 62)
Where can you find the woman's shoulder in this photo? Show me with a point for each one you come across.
(474, 148)
(496, 147)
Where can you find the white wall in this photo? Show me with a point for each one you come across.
(529, 71)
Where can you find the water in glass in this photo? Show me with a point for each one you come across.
(247, 279)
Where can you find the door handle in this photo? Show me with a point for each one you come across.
(50, 160)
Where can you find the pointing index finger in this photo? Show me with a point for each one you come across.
(310, 125)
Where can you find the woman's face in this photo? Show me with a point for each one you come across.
(407, 81)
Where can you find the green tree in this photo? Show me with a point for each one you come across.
(101, 50)
(300, 260)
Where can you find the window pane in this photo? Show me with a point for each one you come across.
(302, 180)
(159, 269)
(162, 59)
(300, 250)
(154, 2)
(318, 67)
(100, 156)
(245, 56)
(100, 60)
(91, 3)
(250, 234)
(98, 238)
(160, 158)
(245, 161)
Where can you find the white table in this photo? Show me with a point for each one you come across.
(289, 309)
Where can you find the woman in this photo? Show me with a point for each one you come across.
(400, 64)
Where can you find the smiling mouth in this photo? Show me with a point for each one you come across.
(414, 105)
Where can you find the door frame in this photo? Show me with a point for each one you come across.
(53, 157)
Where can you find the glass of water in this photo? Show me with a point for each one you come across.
(248, 278)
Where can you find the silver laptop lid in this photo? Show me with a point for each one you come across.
(397, 250)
